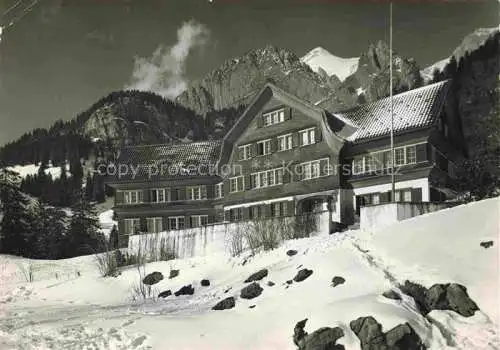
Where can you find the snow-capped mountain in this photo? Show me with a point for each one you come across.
(319, 58)
(470, 43)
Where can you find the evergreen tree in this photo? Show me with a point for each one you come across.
(113, 238)
(49, 233)
(84, 236)
(17, 220)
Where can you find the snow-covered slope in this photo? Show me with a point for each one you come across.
(69, 306)
(32, 169)
(331, 64)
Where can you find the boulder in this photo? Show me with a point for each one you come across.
(369, 332)
(403, 337)
(298, 332)
(302, 275)
(451, 296)
(225, 304)
(291, 252)
(323, 338)
(289, 282)
(392, 294)
(257, 276)
(165, 294)
(251, 291)
(486, 244)
(205, 283)
(186, 290)
(270, 283)
(417, 292)
(251, 306)
(152, 278)
(337, 280)
(173, 274)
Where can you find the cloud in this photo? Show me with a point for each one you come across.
(164, 71)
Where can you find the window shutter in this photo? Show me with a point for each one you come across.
(416, 195)
(274, 145)
(287, 172)
(384, 197)
(318, 134)
(295, 139)
(290, 208)
(119, 197)
(246, 213)
(182, 193)
(421, 151)
(247, 183)
(141, 196)
(254, 150)
(299, 172)
(147, 195)
(204, 192)
(240, 153)
(288, 113)
(260, 121)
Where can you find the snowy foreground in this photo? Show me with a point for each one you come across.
(69, 306)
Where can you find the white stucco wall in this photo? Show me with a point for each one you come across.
(378, 216)
(213, 239)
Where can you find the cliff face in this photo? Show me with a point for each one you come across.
(238, 80)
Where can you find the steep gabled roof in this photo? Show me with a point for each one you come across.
(412, 109)
(167, 161)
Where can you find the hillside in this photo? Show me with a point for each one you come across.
(470, 43)
(69, 306)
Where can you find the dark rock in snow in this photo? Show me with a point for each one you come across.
(152, 278)
(291, 252)
(289, 282)
(251, 291)
(392, 294)
(173, 274)
(205, 283)
(228, 289)
(251, 306)
(186, 290)
(257, 276)
(403, 337)
(337, 280)
(450, 296)
(369, 332)
(323, 338)
(486, 244)
(298, 332)
(225, 304)
(302, 275)
(165, 294)
(270, 283)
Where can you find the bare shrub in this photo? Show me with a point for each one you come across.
(155, 247)
(107, 264)
(28, 271)
(139, 290)
(236, 239)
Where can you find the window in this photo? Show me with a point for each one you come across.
(397, 196)
(376, 198)
(236, 184)
(194, 193)
(370, 163)
(266, 178)
(199, 220)
(154, 225)
(219, 190)
(307, 137)
(236, 214)
(314, 169)
(358, 165)
(274, 117)
(256, 212)
(407, 195)
(132, 197)
(132, 226)
(263, 147)
(411, 155)
(176, 222)
(245, 152)
(387, 159)
(285, 142)
(399, 156)
(159, 195)
(278, 209)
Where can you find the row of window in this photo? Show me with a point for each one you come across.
(383, 160)
(305, 171)
(274, 117)
(277, 209)
(163, 195)
(284, 143)
(156, 224)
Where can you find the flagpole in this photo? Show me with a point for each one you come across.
(393, 185)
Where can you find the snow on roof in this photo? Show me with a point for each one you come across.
(412, 109)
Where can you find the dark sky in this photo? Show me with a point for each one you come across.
(65, 54)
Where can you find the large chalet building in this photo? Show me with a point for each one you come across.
(286, 157)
